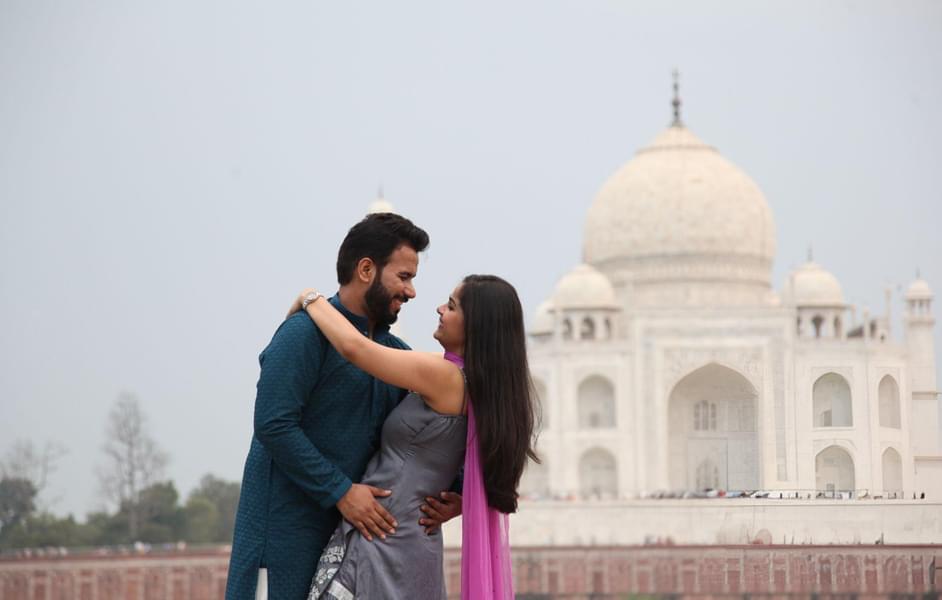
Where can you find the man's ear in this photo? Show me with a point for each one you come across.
(366, 270)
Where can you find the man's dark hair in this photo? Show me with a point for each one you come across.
(376, 237)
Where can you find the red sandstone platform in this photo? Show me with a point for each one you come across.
(540, 572)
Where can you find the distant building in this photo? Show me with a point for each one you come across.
(667, 361)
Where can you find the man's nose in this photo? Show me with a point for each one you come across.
(409, 291)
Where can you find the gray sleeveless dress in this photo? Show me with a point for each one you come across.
(419, 456)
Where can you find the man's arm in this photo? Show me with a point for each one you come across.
(437, 512)
(289, 369)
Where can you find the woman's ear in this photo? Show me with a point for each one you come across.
(366, 270)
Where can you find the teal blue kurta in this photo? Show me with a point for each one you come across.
(317, 423)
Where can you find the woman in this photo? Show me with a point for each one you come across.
(476, 397)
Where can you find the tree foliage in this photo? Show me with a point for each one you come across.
(146, 507)
(134, 461)
(224, 496)
(17, 501)
(26, 461)
(207, 517)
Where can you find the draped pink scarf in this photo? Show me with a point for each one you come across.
(486, 572)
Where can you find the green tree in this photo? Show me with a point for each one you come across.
(103, 529)
(202, 520)
(161, 518)
(25, 460)
(44, 530)
(17, 501)
(224, 496)
(134, 461)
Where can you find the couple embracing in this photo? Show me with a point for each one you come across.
(356, 436)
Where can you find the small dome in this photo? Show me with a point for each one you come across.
(380, 205)
(812, 285)
(919, 290)
(543, 318)
(584, 287)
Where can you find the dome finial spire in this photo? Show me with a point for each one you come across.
(676, 101)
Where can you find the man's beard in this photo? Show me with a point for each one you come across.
(379, 301)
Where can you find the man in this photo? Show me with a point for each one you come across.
(318, 420)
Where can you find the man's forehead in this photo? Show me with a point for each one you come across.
(404, 258)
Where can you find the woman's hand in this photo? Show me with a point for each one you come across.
(296, 306)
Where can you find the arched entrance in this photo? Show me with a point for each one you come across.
(712, 431)
(889, 403)
(832, 402)
(597, 474)
(892, 474)
(834, 472)
(535, 480)
(596, 398)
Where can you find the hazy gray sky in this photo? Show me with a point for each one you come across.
(173, 173)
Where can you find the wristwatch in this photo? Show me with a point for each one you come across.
(311, 297)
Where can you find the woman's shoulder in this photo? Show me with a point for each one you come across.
(429, 410)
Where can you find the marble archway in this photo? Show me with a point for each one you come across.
(834, 472)
(713, 439)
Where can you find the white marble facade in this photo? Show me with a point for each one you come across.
(668, 361)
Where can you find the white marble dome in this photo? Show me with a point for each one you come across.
(380, 205)
(543, 318)
(919, 290)
(678, 197)
(584, 287)
(813, 285)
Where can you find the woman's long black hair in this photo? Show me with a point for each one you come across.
(499, 384)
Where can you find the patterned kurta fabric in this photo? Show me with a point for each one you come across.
(318, 420)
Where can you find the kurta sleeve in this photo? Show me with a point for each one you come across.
(289, 370)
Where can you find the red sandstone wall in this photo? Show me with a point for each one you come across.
(193, 575)
(566, 572)
(723, 570)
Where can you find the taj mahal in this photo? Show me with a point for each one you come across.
(669, 362)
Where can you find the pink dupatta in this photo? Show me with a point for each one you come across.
(486, 572)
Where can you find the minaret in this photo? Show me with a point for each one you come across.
(919, 336)
(675, 102)
(380, 205)
(919, 325)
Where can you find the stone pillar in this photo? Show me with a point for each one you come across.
(923, 384)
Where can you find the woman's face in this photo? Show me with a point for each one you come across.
(450, 332)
